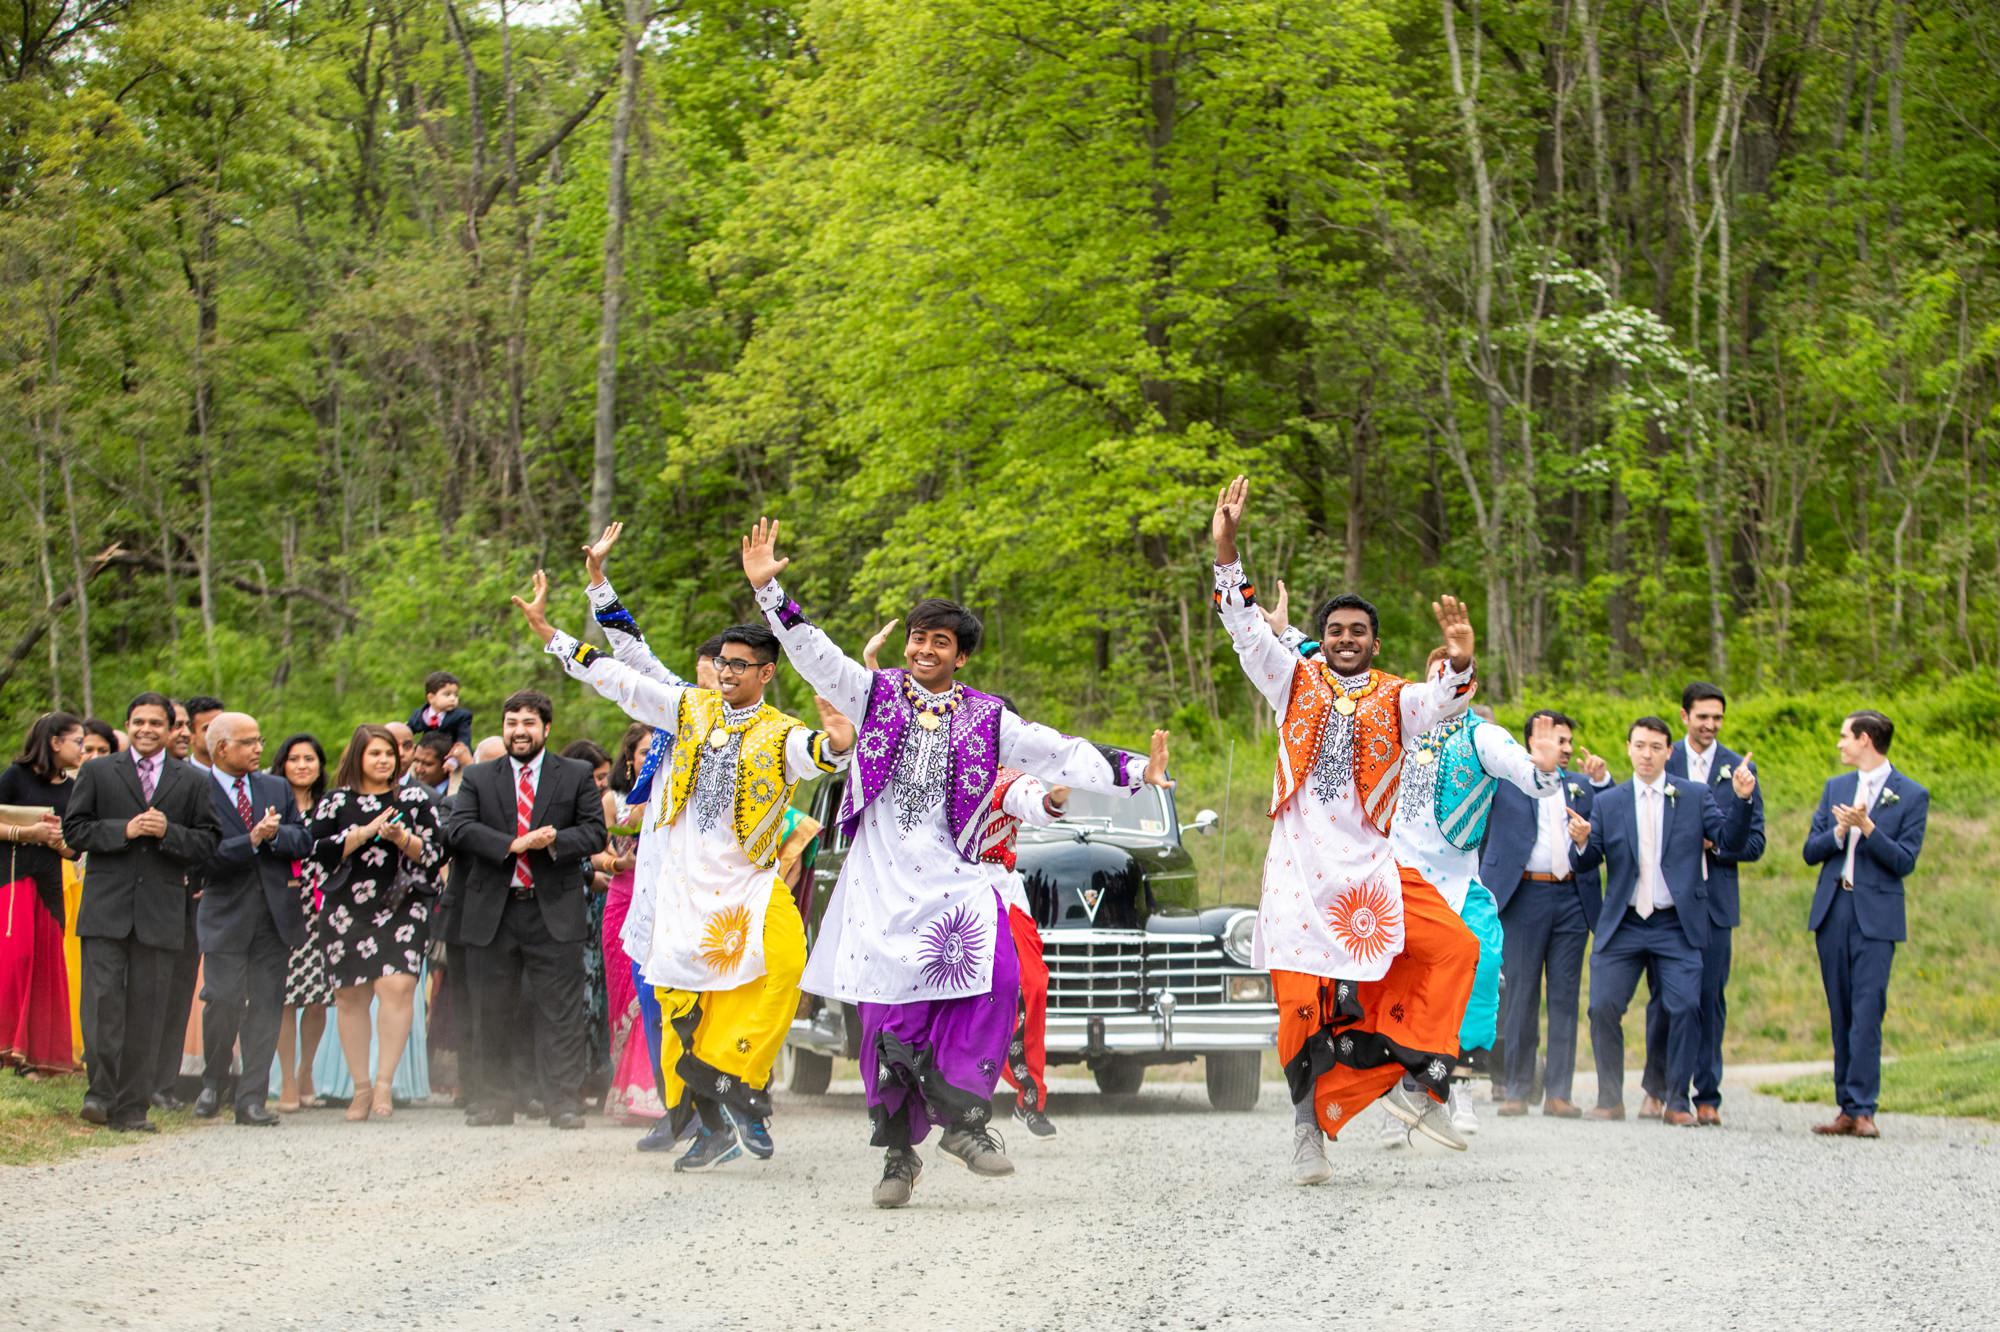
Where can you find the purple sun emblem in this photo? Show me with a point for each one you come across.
(951, 950)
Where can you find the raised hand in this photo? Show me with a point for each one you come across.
(1229, 505)
(1744, 780)
(871, 653)
(535, 610)
(1156, 762)
(1579, 830)
(265, 828)
(1594, 767)
(1457, 626)
(760, 554)
(1279, 617)
(594, 553)
(839, 730)
(1542, 748)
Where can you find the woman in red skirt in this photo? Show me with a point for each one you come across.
(34, 983)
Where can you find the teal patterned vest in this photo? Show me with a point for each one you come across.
(1464, 788)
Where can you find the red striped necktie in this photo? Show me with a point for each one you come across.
(243, 810)
(524, 813)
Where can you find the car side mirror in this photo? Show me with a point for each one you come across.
(1204, 823)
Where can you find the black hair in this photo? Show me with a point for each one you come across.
(525, 700)
(1345, 601)
(1698, 691)
(285, 751)
(435, 741)
(625, 770)
(588, 750)
(711, 647)
(1650, 724)
(151, 699)
(937, 613)
(1008, 704)
(1555, 719)
(763, 644)
(38, 751)
(1878, 728)
(104, 731)
(201, 703)
(437, 680)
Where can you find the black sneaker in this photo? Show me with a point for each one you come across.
(755, 1133)
(661, 1137)
(983, 1151)
(901, 1169)
(1037, 1122)
(711, 1148)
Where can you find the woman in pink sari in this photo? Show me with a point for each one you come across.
(635, 1089)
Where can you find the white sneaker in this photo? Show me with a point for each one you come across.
(1421, 1113)
(1459, 1107)
(1394, 1133)
(1309, 1163)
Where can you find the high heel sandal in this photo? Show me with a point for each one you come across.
(357, 1109)
(385, 1100)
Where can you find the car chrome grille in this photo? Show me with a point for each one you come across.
(1123, 970)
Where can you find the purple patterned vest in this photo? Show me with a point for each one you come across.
(974, 733)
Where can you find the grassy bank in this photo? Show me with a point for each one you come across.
(1946, 1082)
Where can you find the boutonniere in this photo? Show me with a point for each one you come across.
(1576, 792)
(1673, 793)
(1888, 797)
(1727, 772)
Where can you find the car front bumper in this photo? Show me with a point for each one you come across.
(1187, 1031)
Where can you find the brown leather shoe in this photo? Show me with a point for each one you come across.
(1678, 1119)
(1864, 1127)
(1840, 1126)
(1512, 1109)
(1652, 1108)
(1708, 1116)
(1607, 1112)
(1557, 1108)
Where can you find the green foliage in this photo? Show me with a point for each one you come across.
(1963, 1081)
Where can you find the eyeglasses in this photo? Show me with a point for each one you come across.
(734, 665)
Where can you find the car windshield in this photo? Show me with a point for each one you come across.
(1145, 812)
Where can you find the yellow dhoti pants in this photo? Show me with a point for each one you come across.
(721, 1044)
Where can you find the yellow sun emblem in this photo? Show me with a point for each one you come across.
(724, 936)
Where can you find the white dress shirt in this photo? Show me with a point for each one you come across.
(1650, 799)
(1550, 853)
(1700, 764)
(1865, 795)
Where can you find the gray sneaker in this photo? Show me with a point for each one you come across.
(1395, 1133)
(901, 1170)
(982, 1150)
(1429, 1119)
(1309, 1163)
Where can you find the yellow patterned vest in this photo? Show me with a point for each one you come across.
(762, 792)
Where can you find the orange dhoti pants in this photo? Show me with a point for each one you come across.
(1344, 1043)
(1026, 1069)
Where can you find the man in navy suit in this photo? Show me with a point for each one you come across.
(249, 919)
(1701, 757)
(1865, 838)
(1546, 909)
(1649, 834)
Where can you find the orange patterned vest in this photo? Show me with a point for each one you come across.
(1378, 740)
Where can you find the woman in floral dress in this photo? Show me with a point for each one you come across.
(302, 763)
(376, 851)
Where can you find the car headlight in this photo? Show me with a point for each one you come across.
(1251, 989)
(1236, 937)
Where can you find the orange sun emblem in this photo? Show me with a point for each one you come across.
(724, 937)
(1363, 920)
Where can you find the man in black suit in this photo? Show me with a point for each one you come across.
(146, 820)
(249, 919)
(523, 828)
(188, 741)
(1546, 910)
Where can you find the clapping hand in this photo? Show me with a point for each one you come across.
(1744, 779)
(535, 610)
(1156, 762)
(1543, 750)
(1452, 618)
(148, 822)
(594, 553)
(760, 554)
(1595, 768)
(265, 828)
(1229, 505)
(532, 840)
(839, 730)
(1579, 830)
(871, 654)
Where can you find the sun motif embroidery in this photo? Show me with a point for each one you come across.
(1363, 920)
(724, 936)
(951, 949)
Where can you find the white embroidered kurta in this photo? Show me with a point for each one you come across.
(1024, 801)
(1414, 837)
(1333, 902)
(703, 923)
(909, 920)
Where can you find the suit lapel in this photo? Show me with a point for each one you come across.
(128, 764)
(543, 791)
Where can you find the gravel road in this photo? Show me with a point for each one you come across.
(1157, 1213)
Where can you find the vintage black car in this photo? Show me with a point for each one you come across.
(1139, 973)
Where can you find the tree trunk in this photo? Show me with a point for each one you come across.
(604, 454)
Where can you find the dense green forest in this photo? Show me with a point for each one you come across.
(1665, 332)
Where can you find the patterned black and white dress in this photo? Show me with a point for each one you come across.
(364, 936)
(306, 984)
